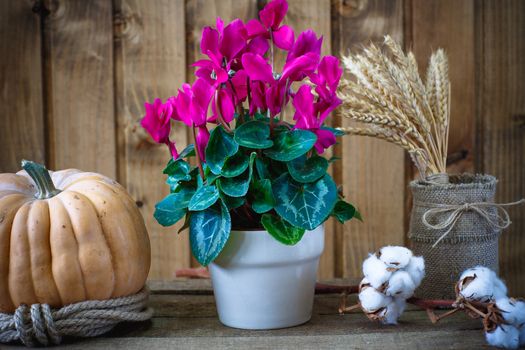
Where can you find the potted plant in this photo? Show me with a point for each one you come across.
(257, 198)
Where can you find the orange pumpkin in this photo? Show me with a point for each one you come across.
(68, 236)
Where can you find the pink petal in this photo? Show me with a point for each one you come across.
(255, 28)
(157, 120)
(240, 86)
(298, 68)
(209, 40)
(273, 13)
(226, 106)
(258, 96)
(304, 106)
(325, 107)
(219, 23)
(274, 98)
(306, 42)
(325, 139)
(330, 70)
(257, 68)
(258, 45)
(202, 93)
(203, 135)
(284, 37)
(232, 40)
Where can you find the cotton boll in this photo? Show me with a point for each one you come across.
(400, 285)
(512, 310)
(371, 300)
(375, 271)
(500, 289)
(504, 336)
(416, 269)
(522, 335)
(401, 304)
(391, 313)
(477, 284)
(395, 257)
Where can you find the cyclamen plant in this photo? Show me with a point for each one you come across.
(253, 168)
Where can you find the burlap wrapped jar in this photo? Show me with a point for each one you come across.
(454, 226)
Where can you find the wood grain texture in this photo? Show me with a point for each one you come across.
(372, 171)
(79, 86)
(150, 63)
(189, 321)
(501, 132)
(21, 103)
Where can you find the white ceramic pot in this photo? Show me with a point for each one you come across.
(260, 283)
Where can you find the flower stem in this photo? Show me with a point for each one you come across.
(199, 161)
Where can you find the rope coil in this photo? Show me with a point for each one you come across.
(39, 324)
(456, 211)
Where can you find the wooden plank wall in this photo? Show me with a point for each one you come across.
(75, 74)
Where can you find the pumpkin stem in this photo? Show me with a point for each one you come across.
(42, 179)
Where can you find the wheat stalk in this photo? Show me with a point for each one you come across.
(390, 100)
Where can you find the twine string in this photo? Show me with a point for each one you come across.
(39, 324)
(498, 220)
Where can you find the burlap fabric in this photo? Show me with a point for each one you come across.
(471, 241)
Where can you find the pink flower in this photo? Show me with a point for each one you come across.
(327, 80)
(191, 106)
(271, 17)
(275, 91)
(222, 46)
(157, 123)
(310, 116)
(306, 42)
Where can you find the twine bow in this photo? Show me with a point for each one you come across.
(456, 211)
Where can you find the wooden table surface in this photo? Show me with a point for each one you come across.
(185, 317)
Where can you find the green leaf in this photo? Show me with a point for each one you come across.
(307, 170)
(304, 205)
(253, 134)
(232, 202)
(291, 144)
(238, 186)
(358, 216)
(178, 170)
(281, 230)
(263, 200)
(220, 146)
(262, 168)
(235, 165)
(343, 211)
(186, 223)
(205, 197)
(189, 151)
(173, 207)
(209, 232)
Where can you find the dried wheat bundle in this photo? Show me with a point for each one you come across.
(389, 100)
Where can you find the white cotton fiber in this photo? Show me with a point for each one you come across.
(504, 336)
(512, 310)
(391, 313)
(371, 300)
(400, 285)
(375, 271)
(391, 277)
(395, 257)
(522, 335)
(416, 269)
(478, 284)
(500, 289)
